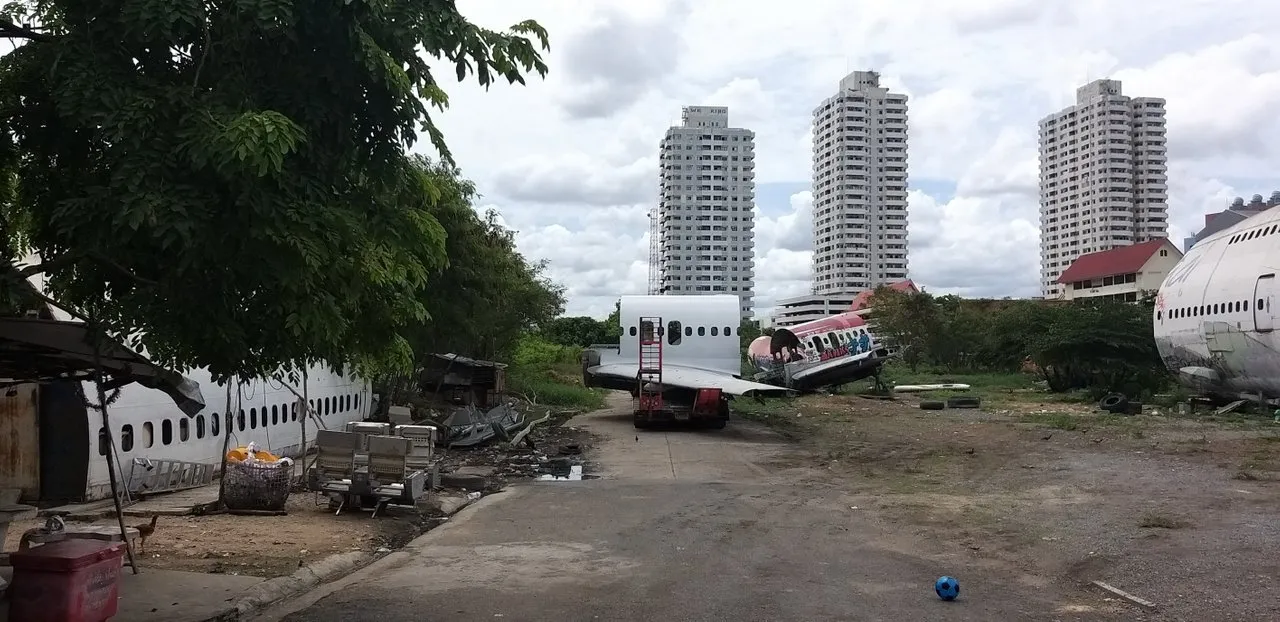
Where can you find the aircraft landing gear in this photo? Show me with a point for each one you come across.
(879, 387)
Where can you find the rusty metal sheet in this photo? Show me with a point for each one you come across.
(20, 439)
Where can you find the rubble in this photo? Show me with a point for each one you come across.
(550, 447)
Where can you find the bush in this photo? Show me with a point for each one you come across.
(550, 374)
(1093, 346)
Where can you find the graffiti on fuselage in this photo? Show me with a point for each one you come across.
(855, 346)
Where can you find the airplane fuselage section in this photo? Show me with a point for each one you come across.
(1215, 313)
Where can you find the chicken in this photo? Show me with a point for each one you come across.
(144, 530)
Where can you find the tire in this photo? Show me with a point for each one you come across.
(715, 424)
(964, 401)
(932, 405)
(639, 422)
(1115, 403)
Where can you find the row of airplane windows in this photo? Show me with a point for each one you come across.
(1217, 308)
(837, 339)
(1256, 233)
(675, 331)
(279, 414)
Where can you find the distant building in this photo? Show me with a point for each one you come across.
(801, 309)
(1237, 212)
(1120, 273)
(862, 300)
(1103, 165)
(859, 187)
(702, 234)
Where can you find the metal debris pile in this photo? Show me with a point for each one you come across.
(469, 426)
(532, 452)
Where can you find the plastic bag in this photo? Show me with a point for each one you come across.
(252, 455)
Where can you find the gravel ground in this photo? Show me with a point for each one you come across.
(1174, 510)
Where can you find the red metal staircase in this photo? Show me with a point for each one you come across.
(650, 373)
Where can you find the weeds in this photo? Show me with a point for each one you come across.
(553, 385)
(1157, 520)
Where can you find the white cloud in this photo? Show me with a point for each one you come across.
(571, 161)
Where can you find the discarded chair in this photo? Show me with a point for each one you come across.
(390, 479)
(334, 469)
(422, 452)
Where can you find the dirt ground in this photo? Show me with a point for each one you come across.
(1177, 510)
(272, 546)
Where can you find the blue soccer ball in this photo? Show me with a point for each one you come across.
(947, 588)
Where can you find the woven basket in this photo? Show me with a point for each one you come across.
(256, 487)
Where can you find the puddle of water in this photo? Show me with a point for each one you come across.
(574, 475)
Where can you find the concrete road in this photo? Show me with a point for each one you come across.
(682, 525)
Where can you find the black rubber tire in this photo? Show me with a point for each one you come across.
(1115, 403)
(715, 424)
(638, 423)
(932, 405)
(964, 401)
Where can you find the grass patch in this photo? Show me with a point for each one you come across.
(776, 413)
(990, 386)
(557, 385)
(1057, 421)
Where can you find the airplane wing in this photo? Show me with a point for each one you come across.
(689, 378)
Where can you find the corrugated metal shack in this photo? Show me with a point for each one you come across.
(463, 380)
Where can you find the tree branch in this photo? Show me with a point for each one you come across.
(68, 259)
(10, 30)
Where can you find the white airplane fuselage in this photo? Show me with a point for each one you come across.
(1215, 314)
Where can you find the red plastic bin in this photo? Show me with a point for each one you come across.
(66, 581)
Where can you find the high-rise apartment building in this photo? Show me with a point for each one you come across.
(859, 187)
(1102, 177)
(702, 235)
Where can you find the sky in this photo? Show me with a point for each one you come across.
(570, 161)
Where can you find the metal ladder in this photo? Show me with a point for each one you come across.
(650, 372)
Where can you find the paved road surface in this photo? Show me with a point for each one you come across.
(683, 525)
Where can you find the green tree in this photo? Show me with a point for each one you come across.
(613, 324)
(488, 294)
(228, 181)
(580, 331)
(910, 320)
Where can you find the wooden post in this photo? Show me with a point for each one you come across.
(226, 445)
(111, 463)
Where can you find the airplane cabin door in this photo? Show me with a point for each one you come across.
(1264, 292)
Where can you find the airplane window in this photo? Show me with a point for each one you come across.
(727, 332)
(702, 331)
(715, 331)
(1259, 305)
(674, 334)
(633, 331)
(126, 438)
(215, 422)
(1215, 310)
(1157, 315)
(148, 434)
(688, 331)
(817, 343)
